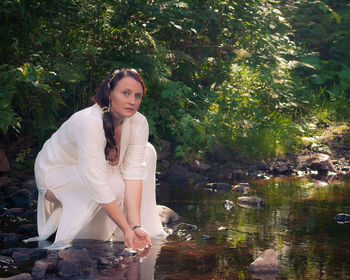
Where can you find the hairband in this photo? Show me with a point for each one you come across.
(115, 73)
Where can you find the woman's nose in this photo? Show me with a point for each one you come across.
(132, 100)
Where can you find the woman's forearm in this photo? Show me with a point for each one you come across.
(115, 213)
(132, 201)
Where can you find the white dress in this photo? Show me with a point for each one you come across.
(72, 165)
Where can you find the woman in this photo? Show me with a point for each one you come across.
(96, 174)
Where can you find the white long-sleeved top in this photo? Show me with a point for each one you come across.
(80, 142)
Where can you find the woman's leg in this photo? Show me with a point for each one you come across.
(150, 219)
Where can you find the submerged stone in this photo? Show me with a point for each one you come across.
(241, 187)
(266, 263)
(250, 200)
(22, 276)
(343, 218)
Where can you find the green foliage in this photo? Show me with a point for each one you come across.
(241, 73)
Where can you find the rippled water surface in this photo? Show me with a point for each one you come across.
(297, 221)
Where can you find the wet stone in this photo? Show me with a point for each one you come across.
(101, 261)
(14, 212)
(28, 228)
(215, 186)
(4, 181)
(250, 200)
(241, 187)
(21, 198)
(12, 240)
(30, 185)
(10, 189)
(6, 262)
(167, 215)
(343, 218)
(22, 276)
(267, 263)
(281, 169)
(22, 255)
(188, 226)
(238, 173)
(41, 268)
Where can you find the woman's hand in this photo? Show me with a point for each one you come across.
(143, 235)
(136, 239)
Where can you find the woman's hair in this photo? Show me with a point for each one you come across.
(102, 99)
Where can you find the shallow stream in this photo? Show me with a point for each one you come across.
(297, 221)
(221, 240)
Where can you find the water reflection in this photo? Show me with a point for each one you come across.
(297, 220)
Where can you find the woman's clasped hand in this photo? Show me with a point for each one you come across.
(137, 239)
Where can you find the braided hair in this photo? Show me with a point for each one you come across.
(102, 99)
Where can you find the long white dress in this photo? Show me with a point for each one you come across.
(72, 165)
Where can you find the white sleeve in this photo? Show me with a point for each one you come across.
(92, 164)
(134, 164)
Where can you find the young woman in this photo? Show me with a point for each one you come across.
(96, 174)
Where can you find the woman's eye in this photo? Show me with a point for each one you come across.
(125, 92)
(138, 95)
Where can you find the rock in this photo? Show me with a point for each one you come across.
(319, 162)
(163, 149)
(9, 237)
(253, 201)
(30, 185)
(4, 181)
(22, 198)
(75, 262)
(4, 162)
(199, 166)
(6, 262)
(72, 255)
(22, 255)
(22, 276)
(241, 187)
(215, 186)
(28, 228)
(9, 189)
(179, 174)
(29, 254)
(281, 169)
(15, 212)
(239, 173)
(41, 268)
(228, 204)
(101, 261)
(167, 216)
(66, 269)
(343, 218)
(187, 226)
(267, 263)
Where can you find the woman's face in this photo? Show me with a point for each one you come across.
(126, 98)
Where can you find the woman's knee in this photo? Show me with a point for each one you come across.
(151, 154)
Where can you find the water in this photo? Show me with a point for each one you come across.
(297, 221)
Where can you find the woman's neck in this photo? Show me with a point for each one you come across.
(117, 120)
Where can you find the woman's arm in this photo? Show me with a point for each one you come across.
(131, 238)
(132, 202)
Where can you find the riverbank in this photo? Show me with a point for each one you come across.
(325, 155)
(328, 158)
